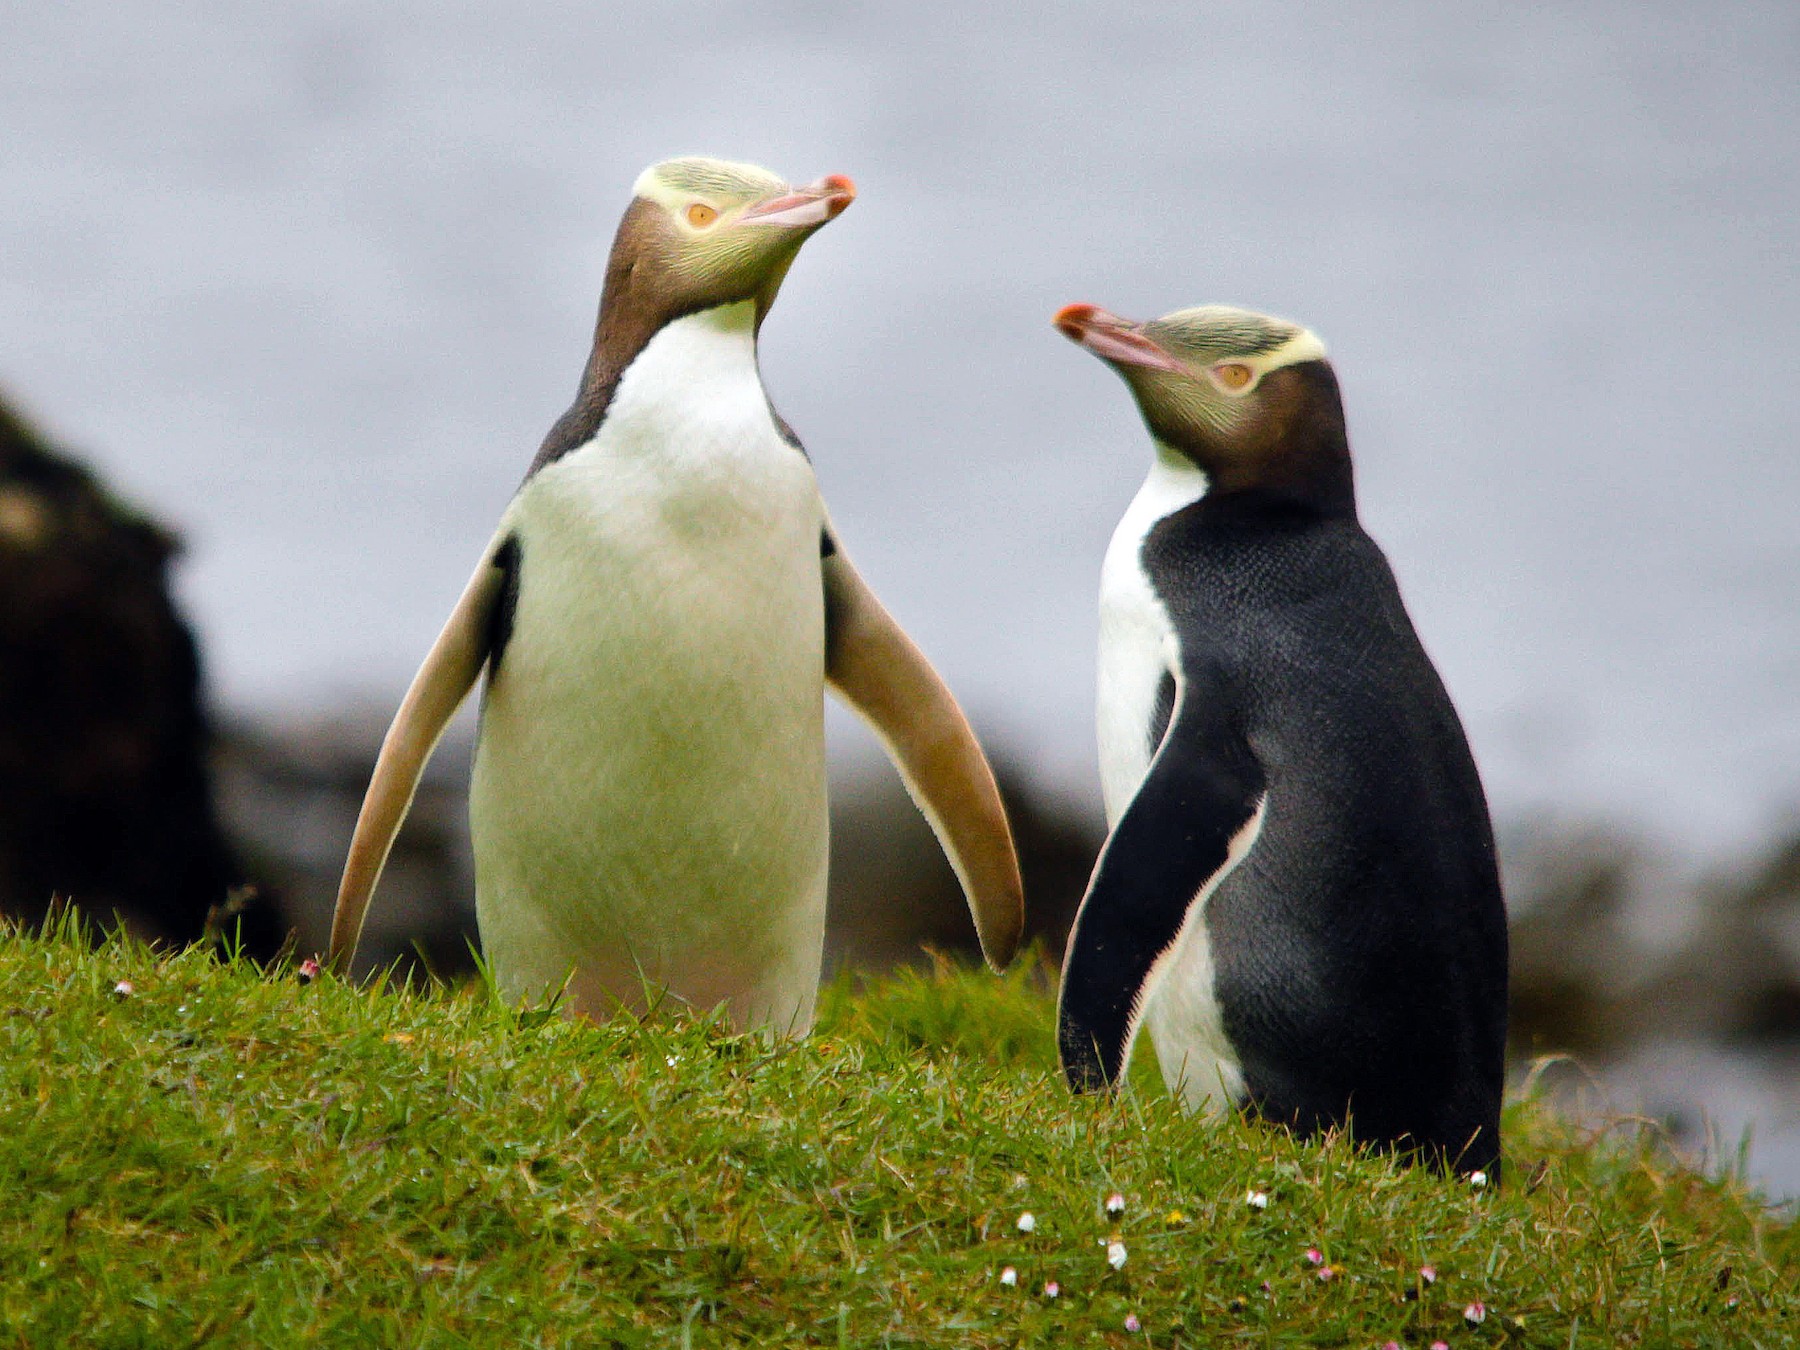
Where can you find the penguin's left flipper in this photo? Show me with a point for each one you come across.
(437, 691)
(1190, 822)
(876, 669)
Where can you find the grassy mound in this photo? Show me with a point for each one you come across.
(225, 1156)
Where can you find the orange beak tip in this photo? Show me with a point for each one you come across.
(1072, 320)
(839, 191)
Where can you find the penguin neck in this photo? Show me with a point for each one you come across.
(697, 373)
(1174, 482)
(700, 351)
(691, 347)
(1309, 478)
(693, 350)
(699, 346)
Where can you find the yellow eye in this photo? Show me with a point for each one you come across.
(700, 215)
(1233, 375)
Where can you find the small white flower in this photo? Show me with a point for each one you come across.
(1115, 1254)
(1115, 1204)
(1009, 1277)
(1257, 1199)
(1478, 1179)
(671, 1060)
(1475, 1314)
(124, 989)
(1027, 1222)
(1051, 1289)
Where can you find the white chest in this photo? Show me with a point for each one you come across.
(671, 564)
(649, 788)
(688, 525)
(688, 454)
(1138, 643)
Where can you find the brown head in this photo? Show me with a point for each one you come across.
(699, 233)
(1248, 398)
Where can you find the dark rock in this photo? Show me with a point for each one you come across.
(105, 797)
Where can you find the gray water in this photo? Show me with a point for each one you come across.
(313, 279)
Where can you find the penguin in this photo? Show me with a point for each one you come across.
(1298, 894)
(658, 616)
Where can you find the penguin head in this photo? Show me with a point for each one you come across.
(706, 232)
(1249, 398)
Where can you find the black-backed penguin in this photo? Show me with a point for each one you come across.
(1299, 894)
(659, 614)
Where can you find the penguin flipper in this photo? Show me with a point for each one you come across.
(437, 691)
(877, 670)
(1191, 820)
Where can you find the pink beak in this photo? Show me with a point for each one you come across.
(1111, 338)
(811, 205)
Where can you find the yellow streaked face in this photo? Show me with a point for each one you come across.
(1199, 369)
(736, 227)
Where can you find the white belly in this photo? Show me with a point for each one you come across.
(1138, 647)
(648, 804)
(1186, 1026)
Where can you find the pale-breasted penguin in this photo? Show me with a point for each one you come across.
(659, 613)
(1299, 894)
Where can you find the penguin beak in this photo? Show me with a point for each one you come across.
(807, 207)
(1111, 338)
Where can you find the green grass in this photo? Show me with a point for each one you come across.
(230, 1157)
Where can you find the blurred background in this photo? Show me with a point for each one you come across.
(300, 288)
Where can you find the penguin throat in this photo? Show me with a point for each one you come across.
(694, 381)
(1174, 480)
(737, 318)
(692, 352)
(620, 351)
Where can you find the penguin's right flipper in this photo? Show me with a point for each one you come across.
(877, 670)
(1191, 820)
(437, 691)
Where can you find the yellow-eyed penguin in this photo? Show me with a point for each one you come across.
(659, 614)
(1299, 894)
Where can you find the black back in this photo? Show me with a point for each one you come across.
(1360, 946)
